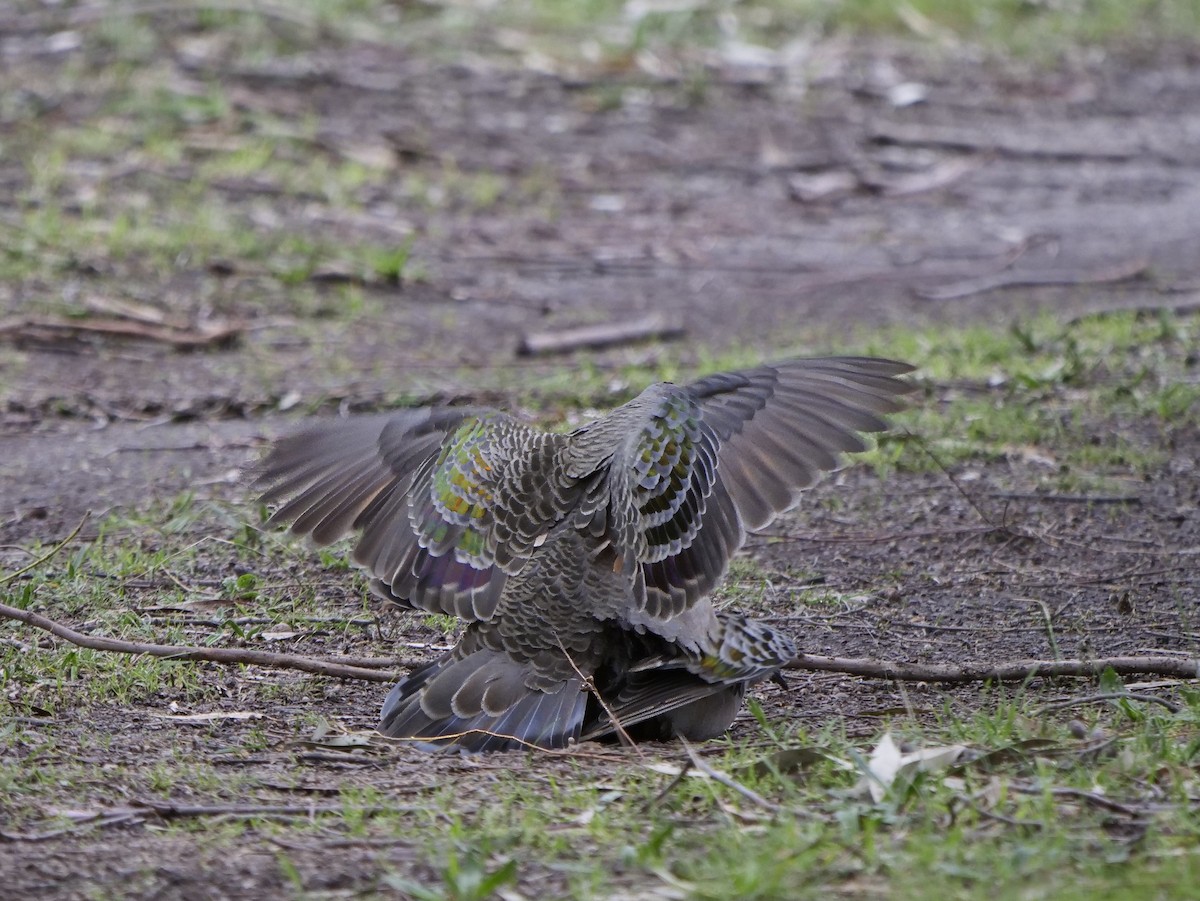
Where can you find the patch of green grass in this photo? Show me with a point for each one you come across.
(467, 872)
(619, 29)
(152, 185)
(616, 30)
(1016, 822)
(133, 583)
(1086, 401)
(442, 622)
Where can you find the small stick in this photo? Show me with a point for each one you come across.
(653, 802)
(590, 684)
(170, 809)
(728, 781)
(1066, 498)
(1010, 279)
(1096, 800)
(49, 330)
(1112, 696)
(49, 555)
(597, 336)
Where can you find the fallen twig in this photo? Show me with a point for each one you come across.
(99, 821)
(186, 652)
(1066, 498)
(597, 336)
(53, 330)
(173, 810)
(342, 759)
(120, 308)
(1183, 668)
(935, 178)
(380, 662)
(1140, 311)
(1032, 825)
(1018, 671)
(181, 652)
(394, 843)
(590, 685)
(873, 537)
(1016, 143)
(50, 554)
(1112, 696)
(953, 480)
(1079, 794)
(651, 803)
(1008, 278)
(725, 779)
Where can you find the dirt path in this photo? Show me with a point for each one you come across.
(752, 216)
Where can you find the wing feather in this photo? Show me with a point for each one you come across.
(377, 475)
(758, 437)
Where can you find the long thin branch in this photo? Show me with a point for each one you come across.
(186, 652)
(1017, 671)
(1014, 279)
(171, 809)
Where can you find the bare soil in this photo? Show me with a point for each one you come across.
(703, 209)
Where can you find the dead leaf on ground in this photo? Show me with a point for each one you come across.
(888, 765)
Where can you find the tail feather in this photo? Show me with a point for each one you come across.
(655, 699)
(674, 690)
(481, 703)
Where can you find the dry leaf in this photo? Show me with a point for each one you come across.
(889, 765)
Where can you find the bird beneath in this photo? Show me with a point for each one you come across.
(583, 563)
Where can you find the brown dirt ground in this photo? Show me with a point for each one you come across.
(668, 205)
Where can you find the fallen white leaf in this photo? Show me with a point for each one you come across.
(888, 765)
(883, 767)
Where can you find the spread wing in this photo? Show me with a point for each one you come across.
(431, 492)
(727, 454)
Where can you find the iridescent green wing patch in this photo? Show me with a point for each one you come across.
(671, 472)
(462, 495)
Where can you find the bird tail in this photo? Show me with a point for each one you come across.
(692, 693)
(659, 704)
(481, 702)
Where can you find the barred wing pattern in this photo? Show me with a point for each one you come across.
(726, 454)
(441, 497)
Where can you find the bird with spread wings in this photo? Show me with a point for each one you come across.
(582, 563)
